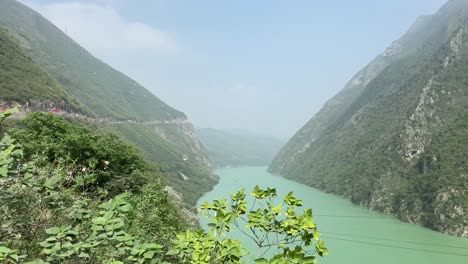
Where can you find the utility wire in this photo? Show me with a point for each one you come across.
(394, 240)
(352, 216)
(391, 246)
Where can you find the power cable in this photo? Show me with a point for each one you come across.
(394, 240)
(352, 216)
(392, 246)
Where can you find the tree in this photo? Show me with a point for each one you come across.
(46, 219)
(269, 225)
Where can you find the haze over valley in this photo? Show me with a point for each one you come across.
(233, 132)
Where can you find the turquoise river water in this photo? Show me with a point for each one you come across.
(353, 234)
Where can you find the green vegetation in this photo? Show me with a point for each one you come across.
(441, 178)
(22, 81)
(391, 140)
(41, 65)
(103, 90)
(105, 154)
(236, 148)
(55, 206)
(268, 224)
(63, 184)
(74, 193)
(189, 176)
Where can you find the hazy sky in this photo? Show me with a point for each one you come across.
(260, 65)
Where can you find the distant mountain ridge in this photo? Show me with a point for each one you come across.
(229, 147)
(69, 78)
(394, 139)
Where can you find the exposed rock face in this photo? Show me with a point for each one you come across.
(46, 105)
(196, 148)
(425, 120)
(417, 131)
(190, 144)
(40, 105)
(394, 138)
(178, 198)
(446, 209)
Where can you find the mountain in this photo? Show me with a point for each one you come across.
(53, 71)
(23, 82)
(238, 148)
(107, 92)
(394, 139)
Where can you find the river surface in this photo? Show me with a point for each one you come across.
(352, 234)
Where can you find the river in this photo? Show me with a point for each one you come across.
(352, 234)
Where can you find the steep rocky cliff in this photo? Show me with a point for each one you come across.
(393, 138)
(175, 148)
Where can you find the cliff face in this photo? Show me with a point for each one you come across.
(174, 147)
(392, 139)
(192, 149)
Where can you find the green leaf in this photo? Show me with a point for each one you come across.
(3, 171)
(52, 182)
(126, 208)
(195, 256)
(5, 250)
(149, 254)
(99, 220)
(173, 252)
(53, 230)
(261, 261)
(309, 260)
(83, 255)
(15, 257)
(46, 244)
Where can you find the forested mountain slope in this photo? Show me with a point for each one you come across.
(98, 91)
(394, 139)
(23, 82)
(238, 148)
(107, 92)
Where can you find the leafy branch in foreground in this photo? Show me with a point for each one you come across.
(269, 225)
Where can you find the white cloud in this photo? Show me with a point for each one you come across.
(99, 28)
